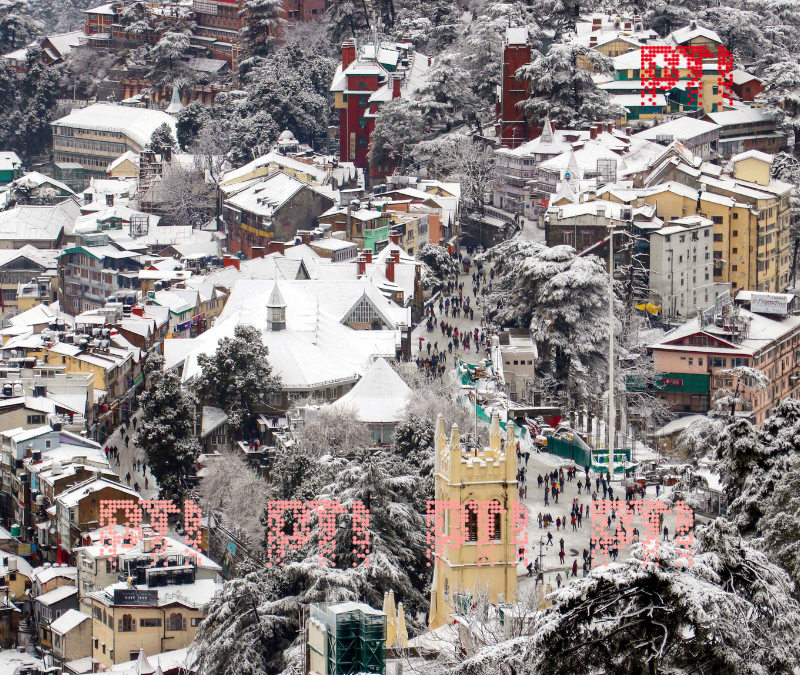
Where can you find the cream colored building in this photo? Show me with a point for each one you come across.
(488, 554)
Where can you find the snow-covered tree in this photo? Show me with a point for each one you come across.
(398, 127)
(346, 19)
(446, 92)
(166, 57)
(439, 267)
(729, 612)
(335, 431)
(162, 139)
(237, 377)
(228, 484)
(248, 624)
(564, 91)
(781, 95)
(786, 168)
(779, 527)
(135, 20)
(165, 433)
(264, 20)
(17, 26)
(187, 198)
(191, 120)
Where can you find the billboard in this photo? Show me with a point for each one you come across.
(128, 596)
(770, 303)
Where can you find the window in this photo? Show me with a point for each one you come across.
(150, 623)
(568, 238)
(736, 233)
(176, 622)
(362, 85)
(717, 220)
(736, 216)
(496, 522)
(734, 268)
(127, 624)
(362, 123)
(362, 142)
(196, 621)
(472, 523)
(700, 361)
(363, 102)
(717, 237)
(747, 90)
(36, 419)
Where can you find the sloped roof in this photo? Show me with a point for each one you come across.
(138, 124)
(72, 618)
(379, 397)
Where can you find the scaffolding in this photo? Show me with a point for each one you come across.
(356, 636)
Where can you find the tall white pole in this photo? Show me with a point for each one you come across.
(611, 410)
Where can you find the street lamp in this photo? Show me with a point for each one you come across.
(611, 411)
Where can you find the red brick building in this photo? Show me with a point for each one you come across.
(363, 82)
(512, 126)
(745, 85)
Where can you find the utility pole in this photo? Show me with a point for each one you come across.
(611, 411)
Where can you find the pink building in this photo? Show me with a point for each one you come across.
(694, 361)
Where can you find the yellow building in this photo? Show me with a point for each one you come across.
(486, 558)
(151, 617)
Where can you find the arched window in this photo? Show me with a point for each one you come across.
(176, 622)
(496, 517)
(472, 522)
(127, 624)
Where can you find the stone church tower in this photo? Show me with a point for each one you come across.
(488, 556)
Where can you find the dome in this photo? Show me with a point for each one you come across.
(286, 136)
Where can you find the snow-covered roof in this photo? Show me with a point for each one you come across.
(138, 124)
(174, 660)
(379, 397)
(129, 156)
(72, 618)
(44, 258)
(332, 244)
(57, 595)
(688, 33)
(65, 42)
(12, 661)
(314, 348)
(9, 161)
(102, 9)
(753, 154)
(267, 195)
(35, 223)
(739, 76)
(190, 595)
(73, 495)
(639, 100)
(318, 175)
(213, 418)
(739, 116)
(682, 129)
(517, 35)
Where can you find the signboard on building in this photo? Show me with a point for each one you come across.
(671, 382)
(133, 597)
(723, 299)
(770, 303)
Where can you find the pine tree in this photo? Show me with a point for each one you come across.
(238, 377)
(248, 624)
(346, 19)
(397, 128)
(264, 20)
(165, 433)
(16, 24)
(446, 91)
(167, 67)
(439, 267)
(564, 91)
(781, 94)
(779, 527)
(729, 612)
(162, 139)
(191, 119)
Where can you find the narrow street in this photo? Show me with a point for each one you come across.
(128, 454)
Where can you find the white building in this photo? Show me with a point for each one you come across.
(681, 266)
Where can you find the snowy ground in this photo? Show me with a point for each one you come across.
(574, 542)
(128, 454)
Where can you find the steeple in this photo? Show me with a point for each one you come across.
(547, 131)
(175, 105)
(276, 310)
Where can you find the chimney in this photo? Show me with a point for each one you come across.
(138, 311)
(628, 131)
(367, 253)
(609, 127)
(430, 61)
(394, 237)
(395, 87)
(361, 266)
(258, 251)
(395, 255)
(596, 24)
(231, 262)
(348, 53)
(406, 40)
(593, 132)
(390, 269)
(627, 25)
(593, 41)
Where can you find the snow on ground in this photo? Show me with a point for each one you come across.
(574, 542)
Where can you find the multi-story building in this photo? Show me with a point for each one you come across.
(681, 266)
(90, 275)
(511, 122)
(271, 209)
(746, 129)
(159, 611)
(698, 358)
(98, 134)
(369, 76)
(20, 267)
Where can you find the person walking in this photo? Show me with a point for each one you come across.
(146, 486)
(539, 519)
(558, 523)
(575, 568)
(128, 478)
(558, 579)
(666, 533)
(561, 556)
(549, 539)
(561, 543)
(136, 487)
(574, 524)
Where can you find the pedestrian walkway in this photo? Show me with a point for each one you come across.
(128, 454)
